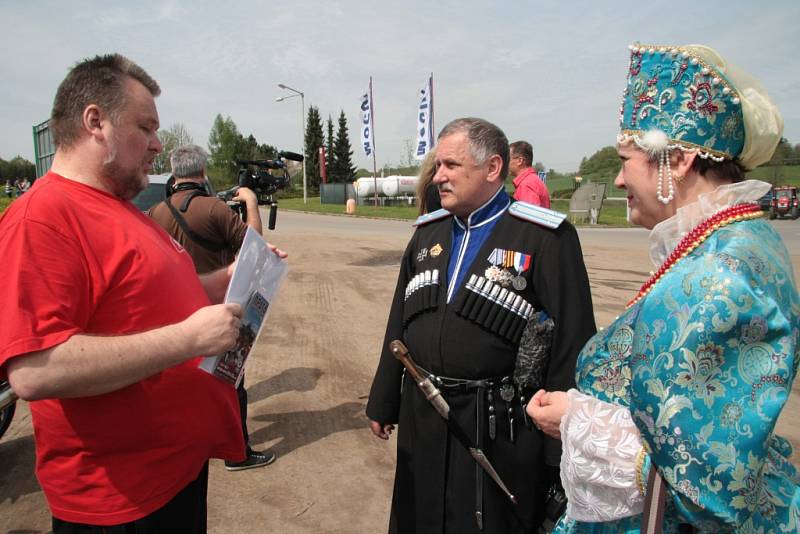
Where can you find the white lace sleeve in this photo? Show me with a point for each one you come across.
(598, 462)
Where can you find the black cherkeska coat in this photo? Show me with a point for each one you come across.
(435, 481)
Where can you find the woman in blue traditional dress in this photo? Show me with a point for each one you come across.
(680, 395)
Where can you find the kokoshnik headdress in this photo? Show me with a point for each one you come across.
(690, 98)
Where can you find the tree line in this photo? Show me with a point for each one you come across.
(17, 167)
(338, 151)
(603, 165)
(226, 145)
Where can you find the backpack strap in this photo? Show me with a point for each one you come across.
(207, 244)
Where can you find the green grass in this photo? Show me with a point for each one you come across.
(314, 206)
(612, 214)
(5, 202)
(778, 175)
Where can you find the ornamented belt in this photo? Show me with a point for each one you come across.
(485, 391)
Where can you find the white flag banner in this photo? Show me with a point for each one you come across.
(366, 124)
(425, 120)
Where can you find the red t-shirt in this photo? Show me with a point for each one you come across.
(529, 188)
(79, 261)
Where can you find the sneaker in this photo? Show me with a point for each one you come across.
(254, 459)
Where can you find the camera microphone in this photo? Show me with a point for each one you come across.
(292, 156)
(263, 163)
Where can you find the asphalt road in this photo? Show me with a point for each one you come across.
(309, 377)
(297, 222)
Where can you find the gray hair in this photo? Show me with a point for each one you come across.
(188, 161)
(485, 140)
(100, 81)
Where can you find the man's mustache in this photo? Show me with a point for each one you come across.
(445, 188)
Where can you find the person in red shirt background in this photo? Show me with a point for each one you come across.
(527, 185)
(104, 319)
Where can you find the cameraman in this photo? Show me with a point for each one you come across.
(215, 231)
(212, 234)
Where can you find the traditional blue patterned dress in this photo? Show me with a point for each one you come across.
(704, 363)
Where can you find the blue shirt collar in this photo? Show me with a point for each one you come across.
(489, 210)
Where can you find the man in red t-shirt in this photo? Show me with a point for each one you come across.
(527, 185)
(103, 322)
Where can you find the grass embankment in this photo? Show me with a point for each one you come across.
(612, 214)
(4, 203)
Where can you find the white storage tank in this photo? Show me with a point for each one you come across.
(394, 186)
(389, 186)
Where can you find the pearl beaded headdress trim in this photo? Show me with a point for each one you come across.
(676, 99)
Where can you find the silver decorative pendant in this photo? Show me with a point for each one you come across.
(504, 278)
(492, 273)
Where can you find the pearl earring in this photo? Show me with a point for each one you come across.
(663, 161)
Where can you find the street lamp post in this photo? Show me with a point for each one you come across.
(303, 124)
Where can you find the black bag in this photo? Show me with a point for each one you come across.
(533, 354)
(555, 505)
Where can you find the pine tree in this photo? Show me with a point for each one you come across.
(314, 140)
(329, 147)
(343, 169)
(252, 150)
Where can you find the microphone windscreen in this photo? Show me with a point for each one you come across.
(292, 156)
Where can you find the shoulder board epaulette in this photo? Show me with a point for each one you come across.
(537, 214)
(432, 216)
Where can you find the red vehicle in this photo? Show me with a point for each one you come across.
(784, 202)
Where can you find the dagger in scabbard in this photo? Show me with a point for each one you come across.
(434, 396)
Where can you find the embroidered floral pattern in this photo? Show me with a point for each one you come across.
(673, 90)
(710, 360)
(704, 100)
(731, 413)
(701, 372)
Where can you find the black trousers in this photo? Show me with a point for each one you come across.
(242, 394)
(185, 513)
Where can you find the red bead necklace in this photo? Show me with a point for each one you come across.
(692, 240)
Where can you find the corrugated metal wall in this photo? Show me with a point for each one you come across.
(44, 148)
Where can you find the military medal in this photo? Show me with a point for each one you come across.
(492, 273)
(504, 278)
(499, 272)
(507, 392)
(521, 264)
(436, 250)
(422, 254)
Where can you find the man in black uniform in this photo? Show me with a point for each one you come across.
(212, 234)
(476, 277)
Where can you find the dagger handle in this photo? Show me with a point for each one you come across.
(433, 395)
(400, 351)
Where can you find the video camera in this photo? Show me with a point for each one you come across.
(257, 175)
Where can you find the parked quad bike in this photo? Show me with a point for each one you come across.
(8, 404)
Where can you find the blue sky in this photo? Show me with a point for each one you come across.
(548, 72)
